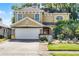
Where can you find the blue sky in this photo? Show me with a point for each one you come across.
(6, 13)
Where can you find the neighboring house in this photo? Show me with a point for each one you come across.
(5, 31)
(31, 23)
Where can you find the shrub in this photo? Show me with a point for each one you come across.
(1, 36)
(43, 39)
(66, 29)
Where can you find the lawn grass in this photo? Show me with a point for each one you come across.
(64, 54)
(63, 47)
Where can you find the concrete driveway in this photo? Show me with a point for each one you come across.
(22, 49)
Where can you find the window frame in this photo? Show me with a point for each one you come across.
(35, 16)
(59, 18)
(18, 16)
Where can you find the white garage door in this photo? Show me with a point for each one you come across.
(27, 33)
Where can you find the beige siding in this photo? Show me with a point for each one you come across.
(51, 17)
(31, 15)
(44, 16)
(65, 16)
(48, 18)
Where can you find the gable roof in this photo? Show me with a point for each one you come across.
(30, 9)
(27, 22)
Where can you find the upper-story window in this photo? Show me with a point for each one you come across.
(36, 17)
(19, 16)
(59, 18)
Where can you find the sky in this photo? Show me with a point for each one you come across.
(6, 13)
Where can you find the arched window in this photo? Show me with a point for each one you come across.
(59, 18)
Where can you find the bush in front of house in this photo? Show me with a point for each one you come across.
(43, 39)
(66, 30)
(1, 36)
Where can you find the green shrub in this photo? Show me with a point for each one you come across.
(1, 36)
(43, 39)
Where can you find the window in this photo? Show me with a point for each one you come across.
(36, 17)
(19, 16)
(59, 18)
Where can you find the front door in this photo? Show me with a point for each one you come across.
(46, 31)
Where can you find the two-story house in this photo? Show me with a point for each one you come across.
(31, 22)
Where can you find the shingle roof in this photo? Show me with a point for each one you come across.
(30, 9)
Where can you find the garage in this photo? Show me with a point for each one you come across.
(26, 28)
(27, 33)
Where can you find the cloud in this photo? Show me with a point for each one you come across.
(11, 12)
(2, 12)
(6, 16)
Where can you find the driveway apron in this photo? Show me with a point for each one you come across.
(23, 49)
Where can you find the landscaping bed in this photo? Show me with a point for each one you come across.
(2, 40)
(63, 47)
(64, 54)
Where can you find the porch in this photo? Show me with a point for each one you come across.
(5, 32)
(45, 32)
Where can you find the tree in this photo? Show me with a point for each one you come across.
(63, 7)
(16, 7)
(13, 19)
(26, 5)
(21, 5)
(68, 29)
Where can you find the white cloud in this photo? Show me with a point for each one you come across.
(7, 22)
(6, 16)
(2, 12)
(11, 13)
